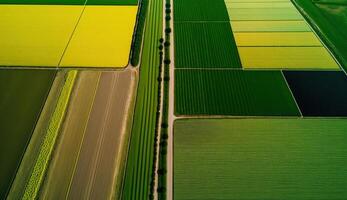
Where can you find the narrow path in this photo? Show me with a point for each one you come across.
(171, 114)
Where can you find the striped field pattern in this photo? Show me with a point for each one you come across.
(141, 152)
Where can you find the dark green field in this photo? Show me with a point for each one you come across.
(205, 45)
(232, 92)
(287, 159)
(70, 2)
(200, 10)
(329, 18)
(319, 93)
(23, 93)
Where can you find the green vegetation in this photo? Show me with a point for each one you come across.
(205, 45)
(137, 40)
(139, 170)
(162, 164)
(39, 171)
(329, 19)
(232, 92)
(260, 159)
(70, 2)
(200, 10)
(23, 94)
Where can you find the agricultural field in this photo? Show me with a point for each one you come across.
(77, 33)
(23, 95)
(173, 99)
(266, 44)
(86, 164)
(330, 22)
(233, 92)
(139, 167)
(205, 45)
(271, 126)
(260, 159)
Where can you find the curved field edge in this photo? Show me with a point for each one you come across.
(38, 173)
(29, 159)
(141, 150)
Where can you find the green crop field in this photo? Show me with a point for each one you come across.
(141, 151)
(329, 18)
(205, 45)
(232, 92)
(23, 93)
(260, 159)
(200, 10)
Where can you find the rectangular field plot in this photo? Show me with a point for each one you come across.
(260, 159)
(35, 35)
(205, 45)
(319, 93)
(23, 94)
(264, 14)
(232, 92)
(200, 10)
(286, 58)
(102, 38)
(277, 39)
(39, 35)
(69, 2)
(273, 5)
(270, 26)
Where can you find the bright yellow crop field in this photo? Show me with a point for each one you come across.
(65, 35)
(35, 35)
(103, 37)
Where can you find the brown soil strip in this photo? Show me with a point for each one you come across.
(98, 161)
(61, 168)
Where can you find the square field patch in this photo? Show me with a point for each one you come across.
(319, 93)
(205, 45)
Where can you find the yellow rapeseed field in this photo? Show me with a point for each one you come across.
(35, 35)
(102, 38)
(65, 35)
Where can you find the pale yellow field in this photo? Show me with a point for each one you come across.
(253, 26)
(277, 39)
(35, 35)
(286, 58)
(102, 38)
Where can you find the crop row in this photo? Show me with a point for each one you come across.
(232, 92)
(141, 151)
(200, 10)
(205, 45)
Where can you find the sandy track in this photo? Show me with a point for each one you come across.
(90, 151)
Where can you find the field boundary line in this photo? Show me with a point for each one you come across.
(72, 34)
(291, 92)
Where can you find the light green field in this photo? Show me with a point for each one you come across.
(260, 159)
(270, 26)
(263, 14)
